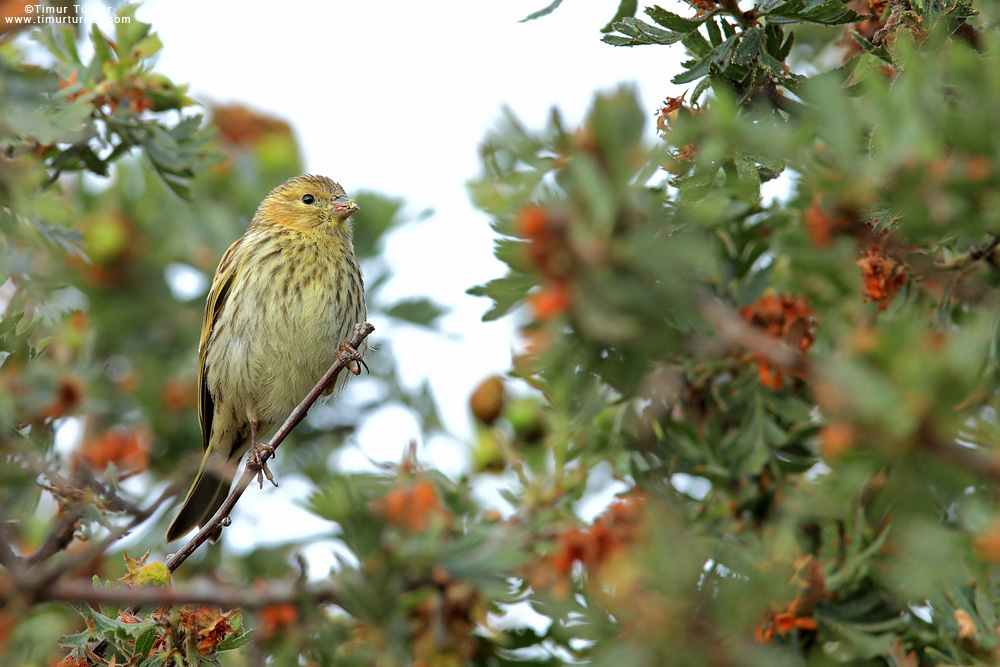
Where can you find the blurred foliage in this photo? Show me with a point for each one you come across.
(114, 211)
(751, 419)
(779, 321)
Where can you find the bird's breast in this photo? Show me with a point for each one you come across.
(281, 325)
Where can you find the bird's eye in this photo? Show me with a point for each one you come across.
(308, 199)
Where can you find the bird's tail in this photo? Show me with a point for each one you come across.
(206, 496)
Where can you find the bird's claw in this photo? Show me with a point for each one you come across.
(351, 358)
(257, 461)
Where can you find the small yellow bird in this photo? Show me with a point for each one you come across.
(285, 296)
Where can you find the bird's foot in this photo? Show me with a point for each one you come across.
(257, 461)
(351, 358)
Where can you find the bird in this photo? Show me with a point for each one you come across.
(284, 298)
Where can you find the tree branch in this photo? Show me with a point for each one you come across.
(965, 457)
(255, 597)
(986, 249)
(733, 7)
(970, 35)
(731, 329)
(60, 536)
(36, 581)
(361, 331)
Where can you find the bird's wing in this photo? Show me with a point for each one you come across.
(217, 296)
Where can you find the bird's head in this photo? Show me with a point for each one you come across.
(307, 202)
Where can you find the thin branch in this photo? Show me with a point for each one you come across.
(970, 35)
(986, 249)
(733, 7)
(8, 558)
(255, 597)
(965, 457)
(733, 330)
(361, 331)
(114, 534)
(34, 583)
(61, 535)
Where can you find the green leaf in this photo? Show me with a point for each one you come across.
(984, 607)
(542, 12)
(128, 32)
(63, 47)
(78, 639)
(878, 51)
(700, 89)
(823, 12)
(69, 41)
(672, 21)
(102, 54)
(618, 40)
(696, 44)
(420, 311)
(714, 33)
(722, 55)
(144, 643)
(746, 169)
(696, 72)
(749, 47)
(506, 293)
(625, 8)
(652, 33)
(146, 47)
(235, 642)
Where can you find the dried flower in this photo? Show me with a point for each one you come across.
(787, 318)
(276, 618)
(411, 507)
(881, 274)
(128, 449)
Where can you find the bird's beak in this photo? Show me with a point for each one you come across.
(343, 207)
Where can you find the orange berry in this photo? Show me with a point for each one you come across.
(532, 222)
(276, 618)
(550, 301)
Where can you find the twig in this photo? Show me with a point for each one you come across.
(255, 597)
(361, 331)
(966, 457)
(733, 330)
(38, 580)
(8, 558)
(733, 7)
(61, 535)
(986, 250)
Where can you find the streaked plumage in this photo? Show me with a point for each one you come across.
(285, 296)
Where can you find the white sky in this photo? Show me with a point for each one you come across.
(396, 96)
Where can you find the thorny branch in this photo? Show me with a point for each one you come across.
(35, 582)
(985, 250)
(60, 537)
(742, 17)
(234, 597)
(203, 593)
(361, 331)
(965, 457)
(731, 329)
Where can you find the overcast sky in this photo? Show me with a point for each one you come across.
(396, 96)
